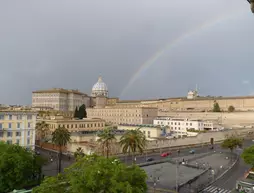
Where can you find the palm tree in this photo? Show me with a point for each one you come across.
(79, 153)
(42, 129)
(106, 138)
(60, 137)
(133, 141)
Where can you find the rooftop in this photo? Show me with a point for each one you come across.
(60, 90)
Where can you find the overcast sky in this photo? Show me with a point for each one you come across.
(69, 43)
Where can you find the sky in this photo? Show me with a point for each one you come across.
(143, 49)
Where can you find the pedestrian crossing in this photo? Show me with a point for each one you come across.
(214, 189)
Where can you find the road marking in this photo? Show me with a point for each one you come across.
(214, 189)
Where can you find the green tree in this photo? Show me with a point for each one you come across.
(97, 174)
(106, 140)
(133, 141)
(76, 113)
(61, 137)
(19, 167)
(231, 108)
(232, 142)
(216, 107)
(42, 129)
(248, 155)
(82, 112)
(79, 153)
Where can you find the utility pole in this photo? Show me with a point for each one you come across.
(177, 173)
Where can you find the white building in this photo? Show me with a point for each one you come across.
(18, 127)
(182, 126)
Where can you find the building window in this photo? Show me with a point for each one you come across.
(29, 117)
(1, 126)
(1, 134)
(18, 125)
(186, 124)
(10, 117)
(10, 125)
(18, 134)
(28, 141)
(28, 133)
(17, 141)
(29, 125)
(1, 117)
(19, 117)
(9, 134)
(148, 133)
(190, 124)
(179, 123)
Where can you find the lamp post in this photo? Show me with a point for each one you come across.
(251, 5)
(155, 180)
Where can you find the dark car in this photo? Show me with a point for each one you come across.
(149, 159)
(37, 153)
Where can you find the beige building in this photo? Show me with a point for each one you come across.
(59, 99)
(128, 115)
(83, 132)
(18, 127)
(75, 125)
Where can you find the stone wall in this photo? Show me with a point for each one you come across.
(230, 119)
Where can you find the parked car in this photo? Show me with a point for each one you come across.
(149, 159)
(192, 151)
(37, 153)
(166, 154)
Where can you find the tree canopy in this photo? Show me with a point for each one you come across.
(96, 174)
(42, 129)
(61, 136)
(216, 107)
(232, 142)
(231, 108)
(79, 153)
(19, 167)
(248, 155)
(133, 141)
(81, 112)
(106, 140)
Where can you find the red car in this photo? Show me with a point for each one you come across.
(166, 154)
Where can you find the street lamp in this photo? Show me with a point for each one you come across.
(251, 5)
(155, 181)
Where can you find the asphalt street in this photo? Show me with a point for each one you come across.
(227, 182)
(51, 168)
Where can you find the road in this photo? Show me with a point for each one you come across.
(227, 183)
(51, 168)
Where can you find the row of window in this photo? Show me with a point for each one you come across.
(18, 117)
(71, 126)
(18, 141)
(18, 125)
(172, 123)
(17, 134)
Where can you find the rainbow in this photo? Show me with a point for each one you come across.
(206, 25)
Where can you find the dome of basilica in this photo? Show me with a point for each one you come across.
(99, 89)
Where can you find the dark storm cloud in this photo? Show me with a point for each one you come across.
(69, 44)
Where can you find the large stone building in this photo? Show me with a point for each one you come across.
(128, 115)
(68, 100)
(59, 99)
(18, 127)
